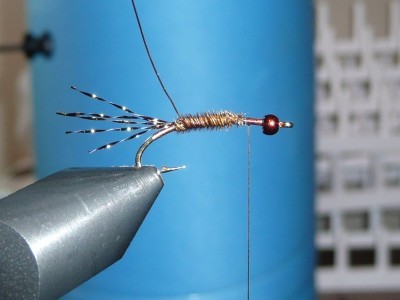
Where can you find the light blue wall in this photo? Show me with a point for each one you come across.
(251, 56)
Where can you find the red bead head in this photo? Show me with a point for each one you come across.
(270, 124)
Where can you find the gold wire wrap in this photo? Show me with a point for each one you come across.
(208, 120)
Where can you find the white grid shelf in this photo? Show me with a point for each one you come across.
(358, 153)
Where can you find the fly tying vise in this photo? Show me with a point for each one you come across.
(184, 123)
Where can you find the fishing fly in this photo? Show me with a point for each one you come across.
(141, 124)
(184, 123)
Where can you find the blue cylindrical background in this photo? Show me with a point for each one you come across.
(253, 57)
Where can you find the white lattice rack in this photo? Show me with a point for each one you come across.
(358, 153)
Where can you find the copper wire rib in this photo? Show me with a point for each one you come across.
(208, 120)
